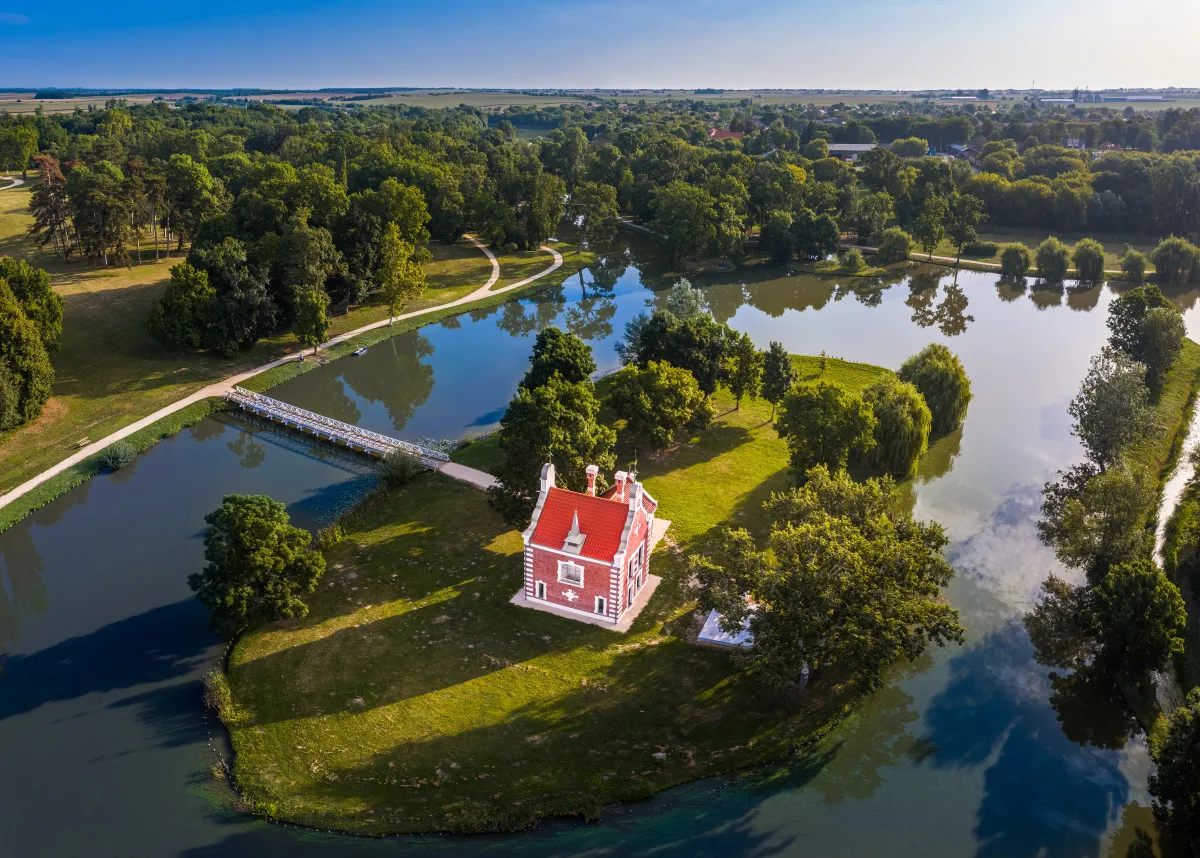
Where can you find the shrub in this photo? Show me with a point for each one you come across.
(939, 375)
(852, 260)
(1053, 260)
(1133, 265)
(1015, 260)
(218, 698)
(1089, 260)
(1175, 260)
(902, 424)
(117, 455)
(399, 468)
(980, 249)
(895, 247)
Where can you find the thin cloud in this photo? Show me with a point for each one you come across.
(13, 19)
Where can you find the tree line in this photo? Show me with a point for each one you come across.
(1123, 623)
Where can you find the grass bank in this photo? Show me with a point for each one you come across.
(415, 697)
(110, 372)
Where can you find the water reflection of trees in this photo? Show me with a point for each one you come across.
(874, 739)
(949, 315)
(1009, 289)
(250, 452)
(522, 318)
(1045, 295)
(22, 590)
(396, 376)
(992, 713)
(1084, 297)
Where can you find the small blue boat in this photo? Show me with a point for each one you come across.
(360, 352)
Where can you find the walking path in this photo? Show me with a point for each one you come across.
(225, 385)
(15, 182)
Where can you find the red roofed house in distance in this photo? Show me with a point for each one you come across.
(587, 557)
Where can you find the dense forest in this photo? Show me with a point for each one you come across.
(285, 214)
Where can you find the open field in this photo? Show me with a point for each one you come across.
(110, 372)
(490, 716)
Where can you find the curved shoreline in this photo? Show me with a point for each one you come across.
(74, 469)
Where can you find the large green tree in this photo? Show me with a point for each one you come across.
(182, 317)
(18, 144)
(401, 275)
(557, 352)
(850, 581)
(779, 375)
(685, 216)
(1175, 783)
(940, 377)
(930, 226)
(964, 212)
(1140, 617)
(37, 298)
(193, 194)
(556, 423)
(659, 403)
(823, 424)
(258, 565)
(1145, 325)
(902, 424)
(312, 318)
(1112, 409)
(29, 377)
(595, 206)
(743, 374)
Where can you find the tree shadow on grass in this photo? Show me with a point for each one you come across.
(573, 750)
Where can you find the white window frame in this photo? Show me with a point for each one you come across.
(565, 565)
(601, 605)
(539, 590)
(639, 558)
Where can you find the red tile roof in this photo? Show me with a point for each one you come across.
(601, 520)
(723, 134)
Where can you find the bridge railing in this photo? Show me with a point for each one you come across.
(346, 431)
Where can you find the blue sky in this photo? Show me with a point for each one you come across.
(605, 43)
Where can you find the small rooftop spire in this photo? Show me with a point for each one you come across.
(574, 541)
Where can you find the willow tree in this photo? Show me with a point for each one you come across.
(902, 424)
(939, 375)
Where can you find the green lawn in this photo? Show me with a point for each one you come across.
(414, 697)
(111, 373)
(517, 266)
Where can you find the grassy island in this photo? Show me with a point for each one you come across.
(415, 698)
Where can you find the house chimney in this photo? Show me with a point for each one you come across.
(592, 471)
(547, 477)
(620, 481)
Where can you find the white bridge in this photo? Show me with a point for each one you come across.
(336, 431)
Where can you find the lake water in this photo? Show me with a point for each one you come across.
(105, 751)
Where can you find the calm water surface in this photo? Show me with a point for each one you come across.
(104, 749)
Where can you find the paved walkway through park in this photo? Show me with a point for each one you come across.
(225, 385)
(15, 182)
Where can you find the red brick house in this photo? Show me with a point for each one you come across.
(589, 555)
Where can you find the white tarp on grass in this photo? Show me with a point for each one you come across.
(712, 633)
